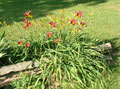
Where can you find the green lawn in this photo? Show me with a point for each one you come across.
(101, 16)
(102, 20)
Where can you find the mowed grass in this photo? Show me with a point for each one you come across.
(102, 19)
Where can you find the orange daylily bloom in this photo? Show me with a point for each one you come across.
(82, 23)
(57, 40)
(29, 24)
(26, 21)
(49, 34)
(52, 24)
(20, 42)
(27, 45)
(79, 14)
(28, 14)
(73, 21)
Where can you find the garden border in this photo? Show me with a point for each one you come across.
(11, 72)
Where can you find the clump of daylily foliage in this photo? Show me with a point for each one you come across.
(70, 61)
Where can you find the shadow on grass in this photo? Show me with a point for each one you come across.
(115, 64)
(13, 9)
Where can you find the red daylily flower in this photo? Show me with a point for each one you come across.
(57, 40)
(28, 14)
(26, 21)
(49, 34)
(29, 24)
(52, 24)
(79, 14)
(27, 45)
(73, 22)
(20, 42)
(82, 23)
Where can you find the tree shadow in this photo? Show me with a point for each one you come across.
(13, 9)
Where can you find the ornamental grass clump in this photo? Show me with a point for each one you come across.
(71, 62)
(65, 56)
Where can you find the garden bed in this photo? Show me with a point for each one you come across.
(11, 72)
